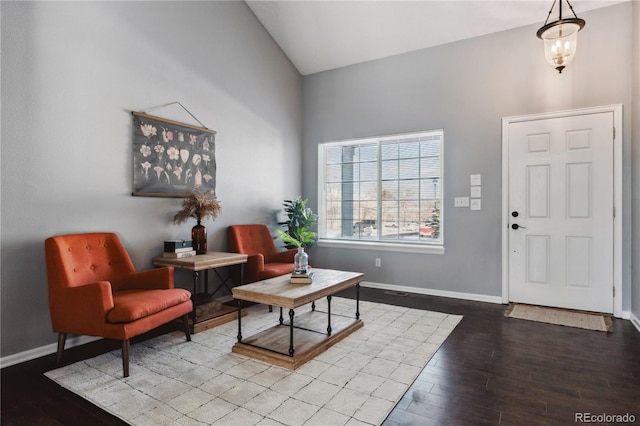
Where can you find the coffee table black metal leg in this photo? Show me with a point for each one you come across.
(281, 319)
(313, 305)
(357, 300)
(239, 321)
(329, 310)
(291, 351)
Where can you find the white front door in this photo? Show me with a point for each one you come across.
(561, 212)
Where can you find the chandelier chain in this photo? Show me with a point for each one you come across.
(550, 10)
(571, 7)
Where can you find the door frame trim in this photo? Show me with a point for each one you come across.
(616, 109)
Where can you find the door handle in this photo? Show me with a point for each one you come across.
(516, 226)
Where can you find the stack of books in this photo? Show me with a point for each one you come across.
(302, 278)
(178, 249)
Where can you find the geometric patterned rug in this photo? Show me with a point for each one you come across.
(357, 381)
(569, 318)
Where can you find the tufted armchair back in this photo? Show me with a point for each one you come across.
(251, 240)
(265, 260)
(74, 260)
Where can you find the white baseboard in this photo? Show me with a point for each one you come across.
(434, 292)
(34, 353)
(635, 321)
(52, 348)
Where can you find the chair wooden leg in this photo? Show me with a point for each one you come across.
(125, 357)
(187, 328)
(62, 338)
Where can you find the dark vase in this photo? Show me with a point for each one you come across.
(199, 237)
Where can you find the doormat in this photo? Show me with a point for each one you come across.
(568, 318)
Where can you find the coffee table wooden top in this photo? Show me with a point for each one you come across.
(280, 292)
(199, 262)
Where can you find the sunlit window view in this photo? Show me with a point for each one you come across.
(383, 189)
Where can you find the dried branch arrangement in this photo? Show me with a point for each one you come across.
(198, 205)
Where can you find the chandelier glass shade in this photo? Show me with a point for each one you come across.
(560, 38)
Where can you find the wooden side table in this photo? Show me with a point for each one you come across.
(205, 262)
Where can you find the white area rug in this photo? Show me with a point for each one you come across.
(356, 382)
(586, 320)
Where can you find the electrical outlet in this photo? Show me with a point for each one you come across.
(378, 262)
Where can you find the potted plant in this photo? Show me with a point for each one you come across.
(304, 237)
(198, 205)
(299, 219)
(300, 259)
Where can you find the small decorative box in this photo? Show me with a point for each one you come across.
(173, 245)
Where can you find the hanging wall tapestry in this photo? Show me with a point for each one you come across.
(170, 157)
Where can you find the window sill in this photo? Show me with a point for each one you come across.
(379, 245)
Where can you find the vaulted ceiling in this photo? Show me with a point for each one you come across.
(328, 34)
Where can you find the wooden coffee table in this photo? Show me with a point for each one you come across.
(313, 331)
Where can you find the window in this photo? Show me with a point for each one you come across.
(383, 190)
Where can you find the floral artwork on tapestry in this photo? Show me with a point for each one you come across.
(170, 157)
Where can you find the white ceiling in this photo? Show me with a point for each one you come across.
(327, 34)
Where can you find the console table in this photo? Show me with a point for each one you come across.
(205, 262)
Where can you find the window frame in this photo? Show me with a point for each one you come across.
(428, 247)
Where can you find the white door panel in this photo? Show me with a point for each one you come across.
(561, 198)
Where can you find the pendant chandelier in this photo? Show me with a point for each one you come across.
(560, 37)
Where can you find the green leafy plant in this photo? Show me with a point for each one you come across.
(299, 219)
(305, 237)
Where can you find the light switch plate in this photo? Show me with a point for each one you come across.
(461, 202)
(476, 192)
(476, 204)
(476, 180)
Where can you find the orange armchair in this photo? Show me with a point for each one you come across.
(94, 290)
(265, 260)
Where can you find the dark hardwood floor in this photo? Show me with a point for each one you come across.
(491, 370)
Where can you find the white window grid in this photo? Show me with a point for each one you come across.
(383, 189)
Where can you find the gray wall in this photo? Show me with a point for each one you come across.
(72, 72)
(466, 88)
(635, 308)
